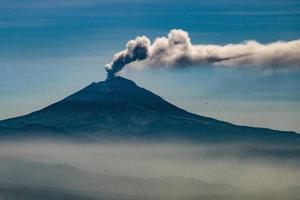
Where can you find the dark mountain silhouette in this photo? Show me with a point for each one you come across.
(118, 109)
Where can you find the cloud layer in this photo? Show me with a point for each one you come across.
(76, 166)
(177, 51)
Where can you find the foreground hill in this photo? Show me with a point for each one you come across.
(119, 109)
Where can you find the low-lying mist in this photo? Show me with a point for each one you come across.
(160, 169)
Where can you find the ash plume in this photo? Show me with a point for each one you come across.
(135, 50)
(177, 51)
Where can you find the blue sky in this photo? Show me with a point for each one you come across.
(49, 49)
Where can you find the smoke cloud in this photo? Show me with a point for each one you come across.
(177, 51)
(135, 50)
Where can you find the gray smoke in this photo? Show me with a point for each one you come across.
(177, 51)
(135, 50)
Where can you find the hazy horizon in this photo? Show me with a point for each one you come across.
(222, 168)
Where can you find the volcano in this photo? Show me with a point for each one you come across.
(119, 109)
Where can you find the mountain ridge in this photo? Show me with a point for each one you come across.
(118, 108)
